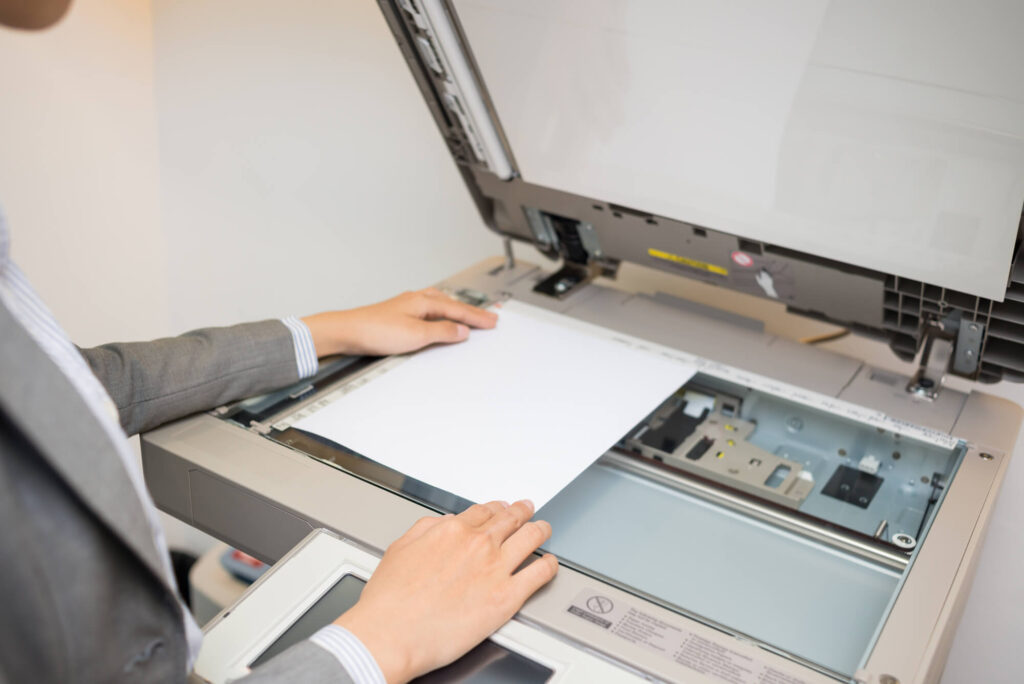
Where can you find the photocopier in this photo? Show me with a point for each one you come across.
(790, 515)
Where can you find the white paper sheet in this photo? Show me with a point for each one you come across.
(513, 413)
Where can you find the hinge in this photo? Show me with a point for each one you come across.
(578, 245)
(950, 344)
(565, 281)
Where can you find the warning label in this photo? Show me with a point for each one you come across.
(687, 261)
(680, 645)
(589, 616)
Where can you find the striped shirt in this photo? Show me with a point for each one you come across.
(25, 305)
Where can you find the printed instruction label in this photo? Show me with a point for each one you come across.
(675, 643)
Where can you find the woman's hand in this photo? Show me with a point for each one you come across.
(405, 323)
(447, 584)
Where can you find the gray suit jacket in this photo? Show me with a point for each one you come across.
(83, 597)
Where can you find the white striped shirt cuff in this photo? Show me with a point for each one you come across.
(305, 351)
(350, 652)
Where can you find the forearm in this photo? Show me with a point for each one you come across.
(154, 382)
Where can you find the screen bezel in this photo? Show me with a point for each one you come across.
(240, 634)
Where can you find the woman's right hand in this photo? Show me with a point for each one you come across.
(447, 584)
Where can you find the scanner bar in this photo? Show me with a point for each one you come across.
(805, 528)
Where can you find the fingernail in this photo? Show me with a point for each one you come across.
(462, 331)
(504, 504)
(529, 504)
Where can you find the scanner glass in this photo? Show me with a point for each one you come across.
(705, 506)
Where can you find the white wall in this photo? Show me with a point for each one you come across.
(293, 167)
(301, 169)
(298, 168)
(79, 177)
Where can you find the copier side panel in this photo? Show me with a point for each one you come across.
(281, 478)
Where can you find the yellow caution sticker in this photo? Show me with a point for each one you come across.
(686, 261)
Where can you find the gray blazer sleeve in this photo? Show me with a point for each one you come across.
(304, 662)
(155, 382)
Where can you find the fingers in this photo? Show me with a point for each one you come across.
(534, 576)
(440, 305)
(478, 514)
(504, 523)
(446, 332)
(525, 541)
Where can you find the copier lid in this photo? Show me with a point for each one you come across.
(884, 135)
(859, 162)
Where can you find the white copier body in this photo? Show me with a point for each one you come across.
(851, 161)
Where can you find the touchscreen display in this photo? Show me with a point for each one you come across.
(339, 598)
(488, 663)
